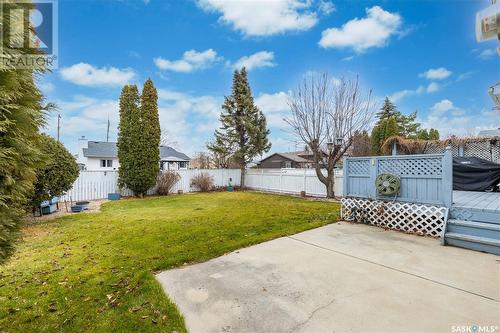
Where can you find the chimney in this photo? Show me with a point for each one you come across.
(82, 143)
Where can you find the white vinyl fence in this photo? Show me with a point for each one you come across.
(291, 181)
(92, 185)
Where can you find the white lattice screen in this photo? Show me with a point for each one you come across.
(411, 218)
(487, 149)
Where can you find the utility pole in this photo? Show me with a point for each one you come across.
(107, 131)
(58, 126)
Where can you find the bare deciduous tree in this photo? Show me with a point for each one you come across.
(325, 115)
(166, 139)
(201, 160)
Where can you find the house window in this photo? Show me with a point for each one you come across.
(288, 164)
(182, 165)
(106, 163)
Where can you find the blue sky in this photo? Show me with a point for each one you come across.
(421, 53)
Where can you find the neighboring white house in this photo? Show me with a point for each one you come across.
(101, 155)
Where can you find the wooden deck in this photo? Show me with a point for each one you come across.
(483, 201)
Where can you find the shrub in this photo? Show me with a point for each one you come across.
(166, 182)
(203, 182)
(58, 173)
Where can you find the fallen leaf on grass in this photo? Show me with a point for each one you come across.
(135, 308)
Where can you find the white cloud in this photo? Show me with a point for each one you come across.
(433, 87)
(259, 18)
(191, 61)
(465, 75)
(256, 60)
(399, 95)
(271, 103)
(436, 73)
(83, 115)
(442, 106)
(275, 107)
(360, 34)
(326, 7)
(486, 54)
(452, 120)
(189, 119)
(87, 75)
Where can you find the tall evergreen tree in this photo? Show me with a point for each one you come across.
(408, 125)
(139, 138)
(387, 110)
(423, 134)
(22, 115)
(381, 132)
(375, 140)
(151, 134)
(243, 126)
(128, 135)
(433, 134)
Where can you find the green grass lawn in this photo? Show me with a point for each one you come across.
(95, 271)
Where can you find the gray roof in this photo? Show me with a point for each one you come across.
(100, 149)
(109, 149)
(489, 133)
(294, 157)
(289, 156)
(168, 153)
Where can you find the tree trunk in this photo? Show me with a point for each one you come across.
(330, 187)
(242, 178)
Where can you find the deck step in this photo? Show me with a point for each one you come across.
(474, 214)
(483, 244)
(473, 228)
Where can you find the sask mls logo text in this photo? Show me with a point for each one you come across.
(28, 34)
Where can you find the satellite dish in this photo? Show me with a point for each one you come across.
(488, 23)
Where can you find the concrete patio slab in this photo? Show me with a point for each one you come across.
(340, 278)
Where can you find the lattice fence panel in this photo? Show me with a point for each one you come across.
(478, 149)
(411, 167)
(434, 149)
(411, 218)
(489, 150)
(359, 167)
(495, 149)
